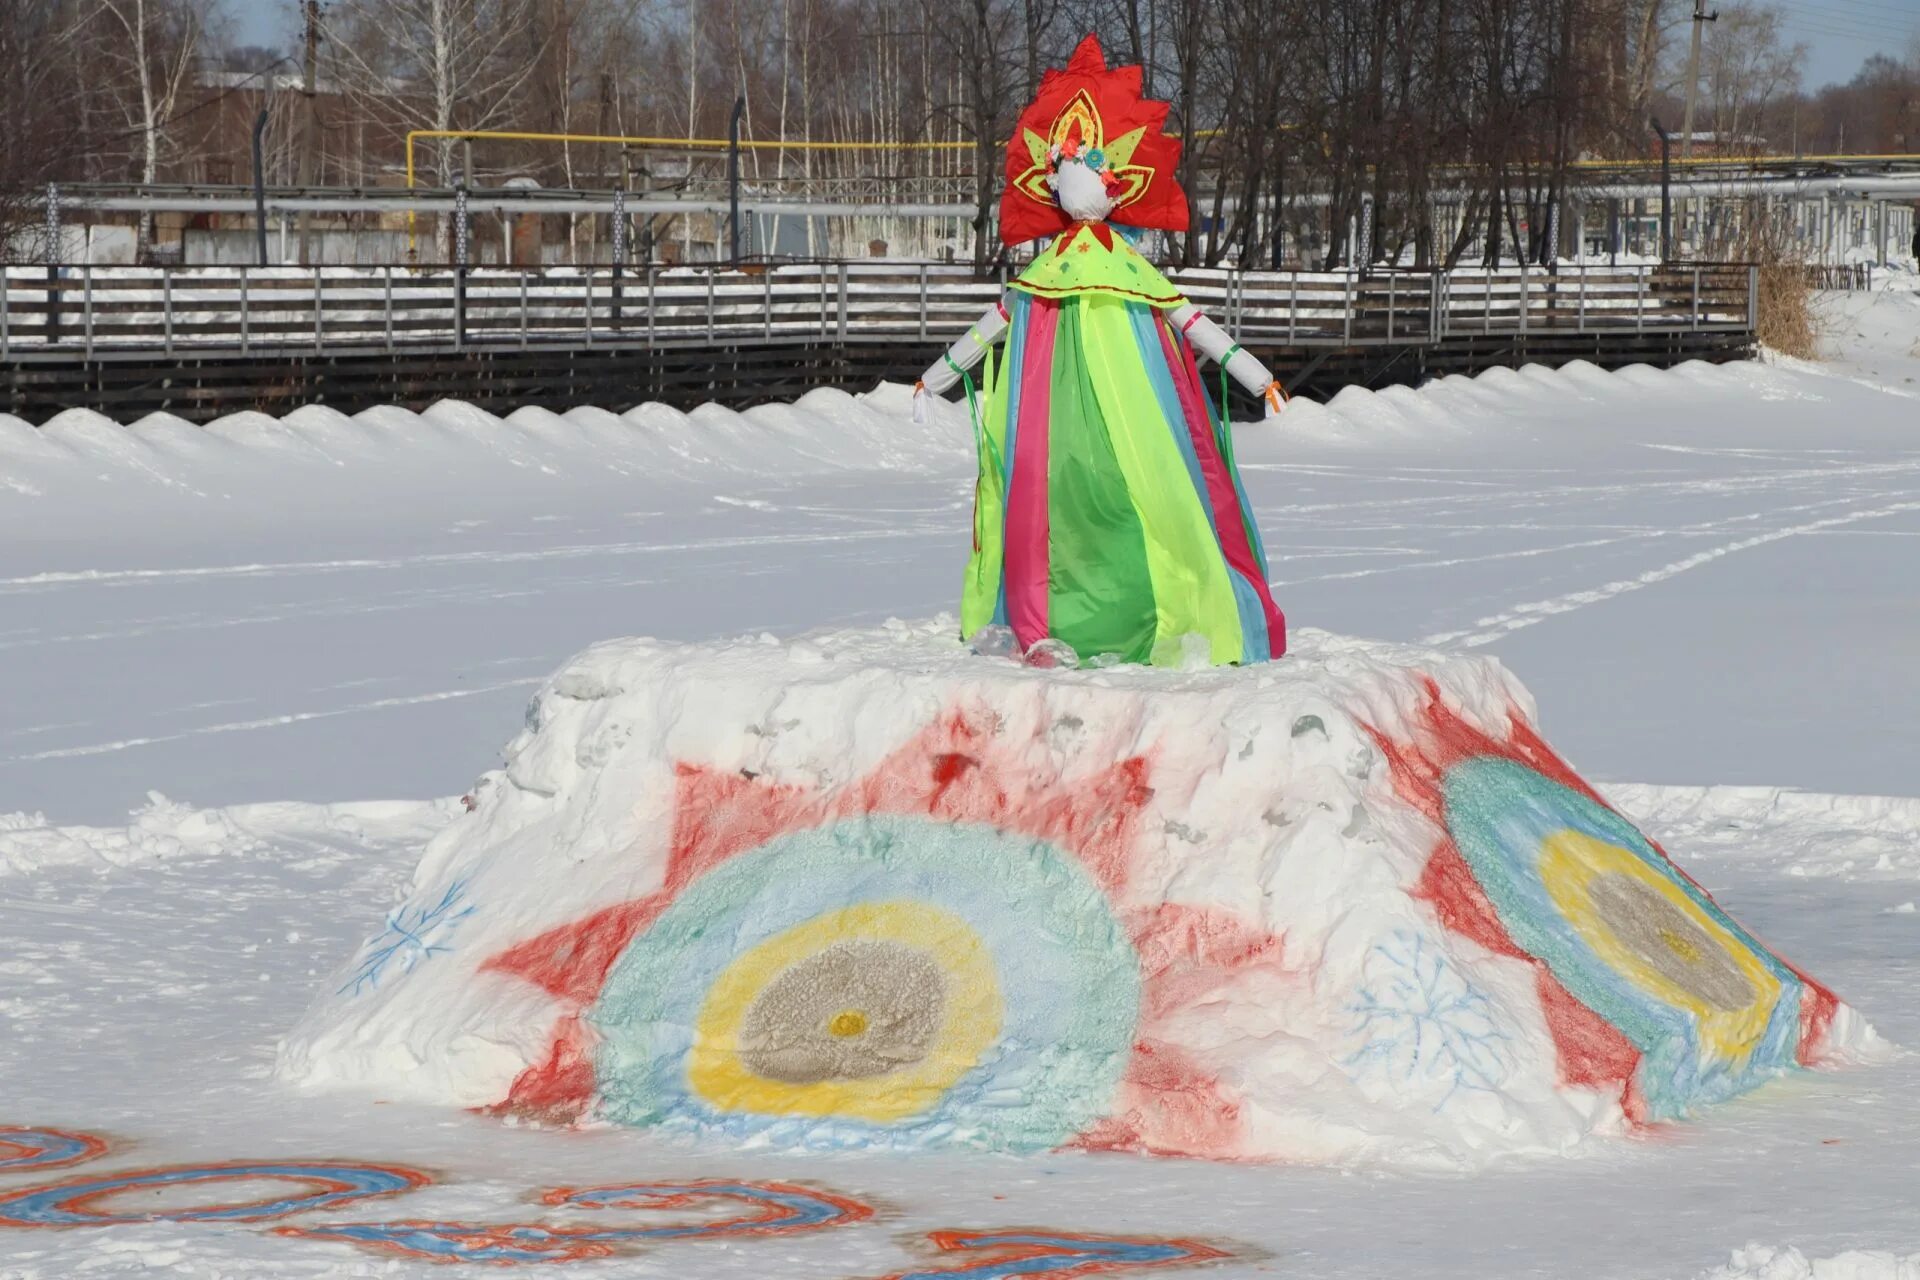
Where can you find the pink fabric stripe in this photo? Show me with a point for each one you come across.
(1228, 520)
(1026, 562)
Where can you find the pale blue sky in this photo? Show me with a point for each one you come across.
(1840, 34)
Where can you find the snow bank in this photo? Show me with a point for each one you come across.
(318, 464)
(1767, 1262)
(163, 829)
(869, 889)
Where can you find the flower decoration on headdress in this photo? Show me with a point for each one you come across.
(1096, 115)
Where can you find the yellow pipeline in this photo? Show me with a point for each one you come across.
(746, 144)
(1701, 162)
(701, 144)
(696, 144)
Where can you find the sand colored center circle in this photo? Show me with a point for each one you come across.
(1663, 936)
(852, 1010)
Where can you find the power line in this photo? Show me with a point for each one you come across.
(1864, 22)
(1858, 28)
(1861, 37)
(1897, 11)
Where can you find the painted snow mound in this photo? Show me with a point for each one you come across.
(868, 888)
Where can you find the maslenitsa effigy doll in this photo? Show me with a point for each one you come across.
(1108, 513)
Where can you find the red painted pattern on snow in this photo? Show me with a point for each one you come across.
(1592, 1053)
(958, 769)
(1168, 1104)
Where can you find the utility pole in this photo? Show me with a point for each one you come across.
(310, 139)
(1700, 15)
(1666, 191)
(1700, 18)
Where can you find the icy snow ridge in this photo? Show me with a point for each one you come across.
(869, 889)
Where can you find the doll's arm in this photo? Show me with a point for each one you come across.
(1213, 342)
(962, 355)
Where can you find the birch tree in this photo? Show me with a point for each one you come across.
(438, 65)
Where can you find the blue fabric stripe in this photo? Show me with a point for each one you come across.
(1255, 645)
(1239, 490)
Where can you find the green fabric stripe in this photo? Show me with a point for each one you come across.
(981, 590)
(1099, 591)
(1190, 587)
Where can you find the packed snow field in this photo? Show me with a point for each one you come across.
(289, 646)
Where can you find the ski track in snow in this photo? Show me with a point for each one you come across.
(1527, 615)
(273, 722)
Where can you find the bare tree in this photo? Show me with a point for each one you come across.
(147, 52)
(436, 64)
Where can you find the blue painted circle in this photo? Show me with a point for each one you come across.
(1499, 813)
(52, 1206)
(48, 1149)
(1069, 981)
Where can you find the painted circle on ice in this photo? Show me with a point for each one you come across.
(1635, 941)
(883, 979)
(74, 1203)
(23, 1149)
(763, 1208)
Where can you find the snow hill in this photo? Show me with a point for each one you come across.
(868, 888)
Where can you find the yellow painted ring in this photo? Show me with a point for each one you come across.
(1577, 868)
(970, 1021)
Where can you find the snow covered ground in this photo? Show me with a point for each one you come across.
(310, 628)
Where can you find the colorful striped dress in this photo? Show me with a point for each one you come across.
(1108, 512)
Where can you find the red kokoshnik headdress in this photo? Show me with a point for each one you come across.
(1094, 114)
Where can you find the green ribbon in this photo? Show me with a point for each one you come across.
(982, 441)
(1223, 433)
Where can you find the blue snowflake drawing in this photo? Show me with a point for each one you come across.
(413, 934)
(1423, 1024)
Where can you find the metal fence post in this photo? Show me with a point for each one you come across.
(1346, 332)
(524, 309)
(166, 308)
(1524, 301)
(6, 298)
(841, 328)
(651, 309)
(1293, 307)
(53, 264)
(386, 290)
(586, 304)
(1583, 297)
(1392, 278)
(86, 303)
(319, 315)
(461, 244)
(246, 337)
(1696, 297)
(619, 249)
(1753, 299)
(1640, 302)
(923, 302)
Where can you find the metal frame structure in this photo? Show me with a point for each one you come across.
(104, 312)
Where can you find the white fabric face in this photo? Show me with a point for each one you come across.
(1081, 193)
